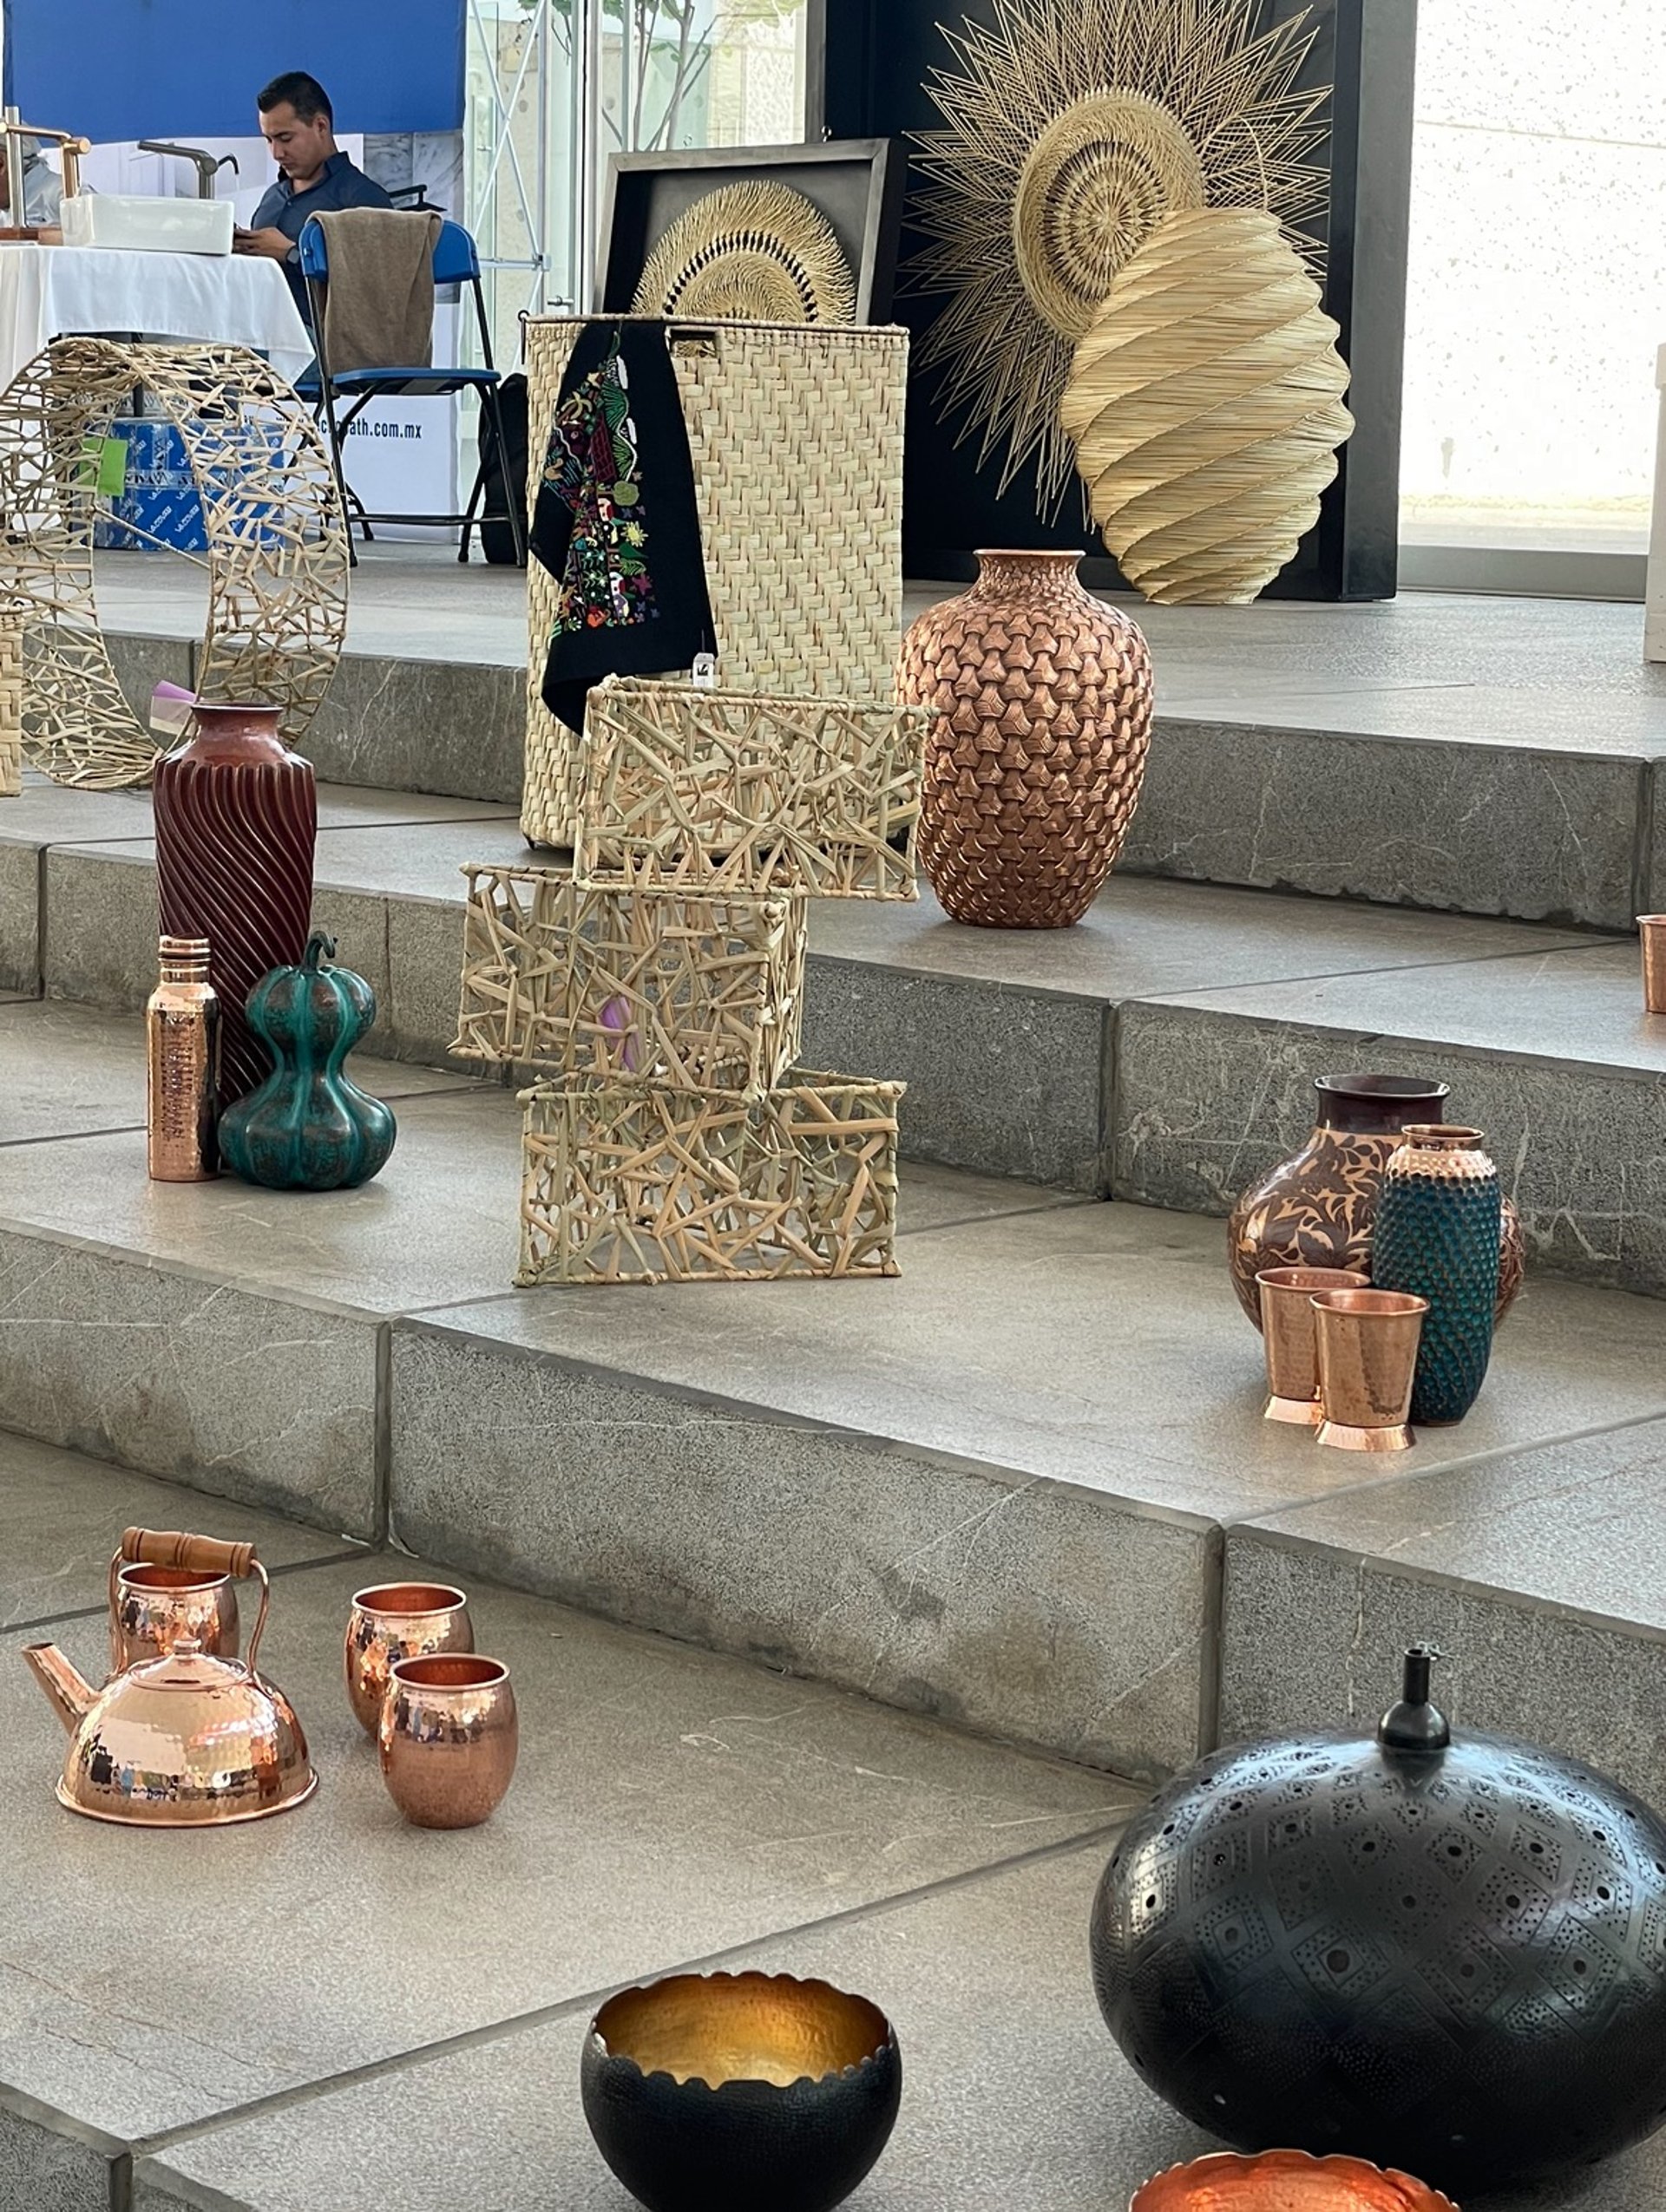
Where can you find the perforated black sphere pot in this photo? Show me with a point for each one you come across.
(1443, 1954)
(740, 2092)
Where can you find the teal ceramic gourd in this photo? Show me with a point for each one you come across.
(1438, 1230)
(309, 1127)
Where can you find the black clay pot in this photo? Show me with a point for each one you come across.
(1444, 1956)
(740, 2092)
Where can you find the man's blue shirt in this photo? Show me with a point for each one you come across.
(342, 185)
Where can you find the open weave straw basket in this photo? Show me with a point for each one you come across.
(796, 433)
(738, 792)
(605, 986)
(276, 558)
(638, 1183)
(11, 706)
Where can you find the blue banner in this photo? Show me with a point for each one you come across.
(118, 69)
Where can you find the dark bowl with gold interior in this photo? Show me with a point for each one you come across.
(1285, 2181)
(744, 2092)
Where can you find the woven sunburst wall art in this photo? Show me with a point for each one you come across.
(753, 253)
(1071, 129)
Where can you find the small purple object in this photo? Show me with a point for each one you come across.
(170, 710)
(615, 1016)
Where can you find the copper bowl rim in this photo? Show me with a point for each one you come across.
(751, 2083)
(139, 1574)
(1458, 1134)
(1651, 921)
(1297, 1277)
(1385, 1303)
(492, 1673)
(363, 1601)
(1245, 2162)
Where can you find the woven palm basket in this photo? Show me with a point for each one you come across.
(796, 433)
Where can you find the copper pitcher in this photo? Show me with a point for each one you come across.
(184, 1740)
(155, 1602)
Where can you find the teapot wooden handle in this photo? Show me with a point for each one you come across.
(196, 1555)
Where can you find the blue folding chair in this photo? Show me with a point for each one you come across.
(455, 262)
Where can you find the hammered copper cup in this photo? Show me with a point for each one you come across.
(1285, 2181)
(1652, 929)
(1368, 1361)
(394, 1620)
(153, 1608)
(746, 2092)
(1289, 1334)
(448, 1737)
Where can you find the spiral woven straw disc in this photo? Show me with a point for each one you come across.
(1206, 408)
(753, 252)
(1099, 180)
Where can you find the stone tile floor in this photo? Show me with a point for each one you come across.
(340, 2011)
(669, 1806)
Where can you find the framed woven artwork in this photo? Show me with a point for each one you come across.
(602, 986)
(741, 793)
(760, 234)
(636, 1183)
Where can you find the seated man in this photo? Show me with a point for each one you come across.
(315, 178)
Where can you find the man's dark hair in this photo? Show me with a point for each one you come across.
(304, 94)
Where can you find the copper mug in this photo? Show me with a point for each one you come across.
(448, 1738)
(1368, 1361)
(156, 1607)
(395, 1620)
(1290, 1335)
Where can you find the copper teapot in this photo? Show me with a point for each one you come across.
(184, 1740)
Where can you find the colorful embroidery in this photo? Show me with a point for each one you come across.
(592, 467)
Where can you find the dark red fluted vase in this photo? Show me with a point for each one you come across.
(237, 822)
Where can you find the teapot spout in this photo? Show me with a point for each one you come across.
(69, 1695)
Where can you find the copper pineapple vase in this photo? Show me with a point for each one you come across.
(237, 822)
(1033, 772)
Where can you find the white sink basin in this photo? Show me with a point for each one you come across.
(139, 224)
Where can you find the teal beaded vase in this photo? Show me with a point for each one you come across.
(1440, 1224)
(309, 1126)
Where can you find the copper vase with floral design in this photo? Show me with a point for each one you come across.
(1320, 1209)
(1033, 769)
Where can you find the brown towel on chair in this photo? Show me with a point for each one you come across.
(378, 311)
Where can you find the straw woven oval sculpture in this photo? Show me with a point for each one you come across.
(753, 252)
(1206, 408)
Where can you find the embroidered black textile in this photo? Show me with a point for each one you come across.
(616, 522)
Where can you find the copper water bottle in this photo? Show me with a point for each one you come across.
(182, 1040)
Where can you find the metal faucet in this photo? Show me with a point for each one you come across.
(207, 167)
(14, 133)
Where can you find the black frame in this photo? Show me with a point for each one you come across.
(866, 58)
(352, 507)
(629, 232)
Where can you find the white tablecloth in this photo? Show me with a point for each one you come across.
(49, 291)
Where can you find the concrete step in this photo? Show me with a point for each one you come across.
(1475, 755)
(1164, 1050)
(999, 1490)
(669, 1808)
